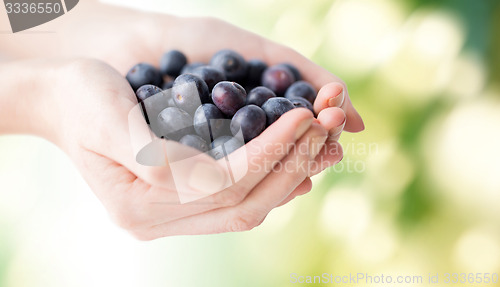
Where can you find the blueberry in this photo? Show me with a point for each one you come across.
(194, 141)
(167, 85)
(209, 122)
(259, 95)
(143, 74)
(231, 63)
(229, 97)
(172, 62)
(153, 105)
(255, 68)
(301, 89)
(294, 71)
(168, 97)
(210, 75)
(189, 92)
(167, 90)
(275, 108)
(189, 68)
(251, 120)
(223, 146)
(174, 123)
(302, 103)
(278, 78)
(144, 92)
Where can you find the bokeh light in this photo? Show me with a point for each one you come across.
(477, 250)
(345, 214)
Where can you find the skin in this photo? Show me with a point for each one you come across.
(86, 115)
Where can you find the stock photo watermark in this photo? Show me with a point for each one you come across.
(438, 279)
(24, 15)
(355, 154)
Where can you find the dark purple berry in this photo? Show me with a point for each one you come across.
(210, 75)
(172, 62)
(255, 68)
(294, 71)
(143, 74)
(153, 105)
(223, 146)
(301, 89)
(229, 97)
(250, 120)
(278, 78)
(231, 63)
(174, 123)
(259, 95)
(189, 68)
(302, 103)
(144, 92)
(275, 108)
(194, 141)
(169, 98)
(189, 92)
(209, 122)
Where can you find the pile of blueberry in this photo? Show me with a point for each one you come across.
(206, 106)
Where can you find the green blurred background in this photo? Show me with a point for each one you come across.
(418, 192)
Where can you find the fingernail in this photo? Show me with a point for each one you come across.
(206, 178)
(335, 132)
(316, 145)
(302, 128)
(337, 101)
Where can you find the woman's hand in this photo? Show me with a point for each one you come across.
(84, 107)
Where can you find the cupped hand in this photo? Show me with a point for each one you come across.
(92, 123)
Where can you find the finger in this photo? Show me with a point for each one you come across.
(110, 181)
(302, 189)
(156, 210)
(320, 78)
(252, 211)
(256, 159)
(333, 120)
(161, 201)
(102, 174)
(290, 173)
(330, 95)
(333, 95)
(204, 184)
(252, 163)
(329, 156)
